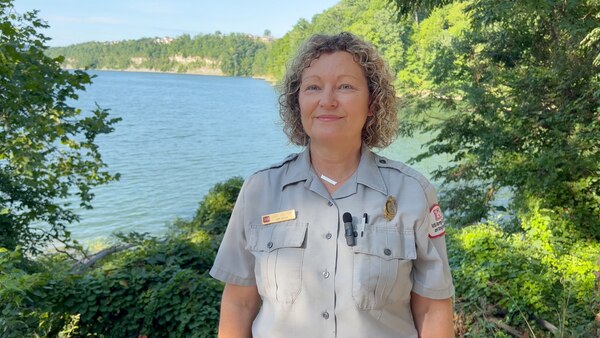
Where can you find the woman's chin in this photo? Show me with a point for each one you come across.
(333, 138)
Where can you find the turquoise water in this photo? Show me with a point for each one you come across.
(179, 136)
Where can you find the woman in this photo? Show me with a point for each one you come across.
(336, 241)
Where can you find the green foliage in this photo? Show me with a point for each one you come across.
(431, 53)
(408, 7)
(215, 209)
(510, 91)
(243, 55)
(373, 20)
(159, 289)
(47, 147)
(520, 85)
(520, 278)
(24, 311)
(156, 287)
(232, 54)
(239, 55)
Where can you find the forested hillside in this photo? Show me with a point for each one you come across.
(216, 54)
(240, 54)
(373, 20)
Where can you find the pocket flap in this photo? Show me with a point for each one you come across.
(266, 238)
(387, 243)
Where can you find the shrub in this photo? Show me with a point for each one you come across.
(525, 277)
(216, 207)
(157, 287)
(24, 311)
(160, 289)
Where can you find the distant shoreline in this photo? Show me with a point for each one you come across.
(212, 72)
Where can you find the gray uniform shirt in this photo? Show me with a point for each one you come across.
(313, 284)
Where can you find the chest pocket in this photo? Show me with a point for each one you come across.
(382, 266)
(279, 252)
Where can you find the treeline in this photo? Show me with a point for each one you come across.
(240, 54)
(375, 21)
(231, 54)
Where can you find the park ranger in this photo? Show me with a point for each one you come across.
(336, 241)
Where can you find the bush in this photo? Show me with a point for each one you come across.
(525, 277)
(216, 207)
(160, 289)
(24, 312)
(157, 287)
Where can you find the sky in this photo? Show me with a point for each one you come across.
(75, 21)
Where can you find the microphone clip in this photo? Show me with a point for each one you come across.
(349, 232)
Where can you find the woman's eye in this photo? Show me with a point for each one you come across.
(345, 86)
(311, 87)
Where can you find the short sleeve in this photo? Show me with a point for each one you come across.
(233, 263)
(431, 271)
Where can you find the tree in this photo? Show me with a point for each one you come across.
(390, 37)
(523, 91)
(47, 147)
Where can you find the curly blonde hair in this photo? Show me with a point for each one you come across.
(381, 128)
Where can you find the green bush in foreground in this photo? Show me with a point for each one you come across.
(157, 287)
(519, 279)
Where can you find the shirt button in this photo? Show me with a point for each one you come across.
(382, 161)
(325, 315)
(328, 236)
(330, 203)
(325, 274)
(270, 245)
(387, 251)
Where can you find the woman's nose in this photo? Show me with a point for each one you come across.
(328, 99)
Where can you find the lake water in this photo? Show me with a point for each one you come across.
(181, 134)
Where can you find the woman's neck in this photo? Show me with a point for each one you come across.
(334, 165)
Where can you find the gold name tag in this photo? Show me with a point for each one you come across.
(279, 217)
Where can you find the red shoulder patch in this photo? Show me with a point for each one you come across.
(436, 222)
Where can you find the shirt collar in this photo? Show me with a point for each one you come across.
(367, 173)
(298, 169)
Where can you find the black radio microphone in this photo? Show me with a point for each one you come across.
(348, 229)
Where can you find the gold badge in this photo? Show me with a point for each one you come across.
(390, 209)
(279, 217)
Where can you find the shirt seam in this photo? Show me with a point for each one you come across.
(427, 292)
(228, 277)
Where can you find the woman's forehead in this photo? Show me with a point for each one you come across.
(337, 62)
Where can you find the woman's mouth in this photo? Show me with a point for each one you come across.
(328, 118)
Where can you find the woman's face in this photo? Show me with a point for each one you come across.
(334, 99)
